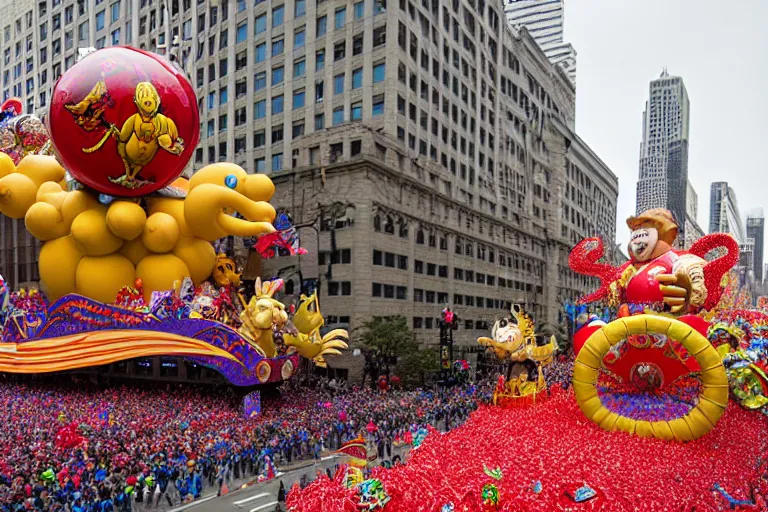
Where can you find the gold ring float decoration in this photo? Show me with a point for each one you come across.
(713, 397)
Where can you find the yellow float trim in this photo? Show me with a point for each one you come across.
(713, 397)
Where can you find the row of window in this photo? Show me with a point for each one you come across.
(336, 288)
(391, 260)
(434, 323)
(434, 297)
(389, 291)
(339, 256)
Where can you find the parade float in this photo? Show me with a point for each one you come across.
(128, 264)
(653, 371)
(524, 353)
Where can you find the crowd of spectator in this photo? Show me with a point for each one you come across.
(74, 446)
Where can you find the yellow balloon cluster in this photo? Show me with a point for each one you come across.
(94, 249)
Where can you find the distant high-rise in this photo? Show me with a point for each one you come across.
(724, 216)
(663, 181)
(544, 21)
(756, 231)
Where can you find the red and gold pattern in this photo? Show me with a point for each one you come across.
(139, 101)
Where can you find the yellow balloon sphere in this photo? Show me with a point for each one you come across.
(17, 195)
(160, 272)
(101, 277)
(41, 168)
(92, 235)
(161, 233)
(134, 250)
(58, 265)
(6, 165)
(199, 256)
(126, 219)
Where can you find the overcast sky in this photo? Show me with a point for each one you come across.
(718, 48)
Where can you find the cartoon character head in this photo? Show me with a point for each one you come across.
(225, 272)
(653, 233)
(147, 99)
(308, 317)
(507, 332)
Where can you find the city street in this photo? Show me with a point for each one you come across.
(262, 497)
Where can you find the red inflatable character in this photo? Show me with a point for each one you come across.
(657, 278)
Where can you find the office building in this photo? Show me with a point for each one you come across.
(663, 180)
(756, 231)
(430, 148)
(544, 20)
(724, 216)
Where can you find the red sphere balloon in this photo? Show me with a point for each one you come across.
(124, 121)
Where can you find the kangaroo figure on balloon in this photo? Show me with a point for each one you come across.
(652, 371)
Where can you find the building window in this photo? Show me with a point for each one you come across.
(379, 36)
(278, 47)
(357, 79)
(340, 18)
(378, 73)
(300, 8)
(298, 99)
(99, 21)
(359, 10)
(277, 104)
(277, 75)
(242, 32)
(338, 115)
(115, 11)
(417, 322)
(260, 109)
(259, 139)
(116, 37)
(336, 288)
(299, 68)
(260, 81)
(261, 24)
(278, 15)
(261, 52)
(277, 162)
(357, 111)
(378, 105)
(357, 45)
(338, 84)
(319, 60)
(321, 26)
(260, 165)
(299, 38)
(319, 121)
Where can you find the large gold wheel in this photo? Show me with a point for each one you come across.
(713, 397)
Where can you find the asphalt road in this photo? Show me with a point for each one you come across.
(262, 497)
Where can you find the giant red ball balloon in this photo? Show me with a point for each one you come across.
(124, 121)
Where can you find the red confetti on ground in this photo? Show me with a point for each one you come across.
(553, 443)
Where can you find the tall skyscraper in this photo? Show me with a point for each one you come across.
(663, 181)
(756, 231)
(544, 20)
(724, 216)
